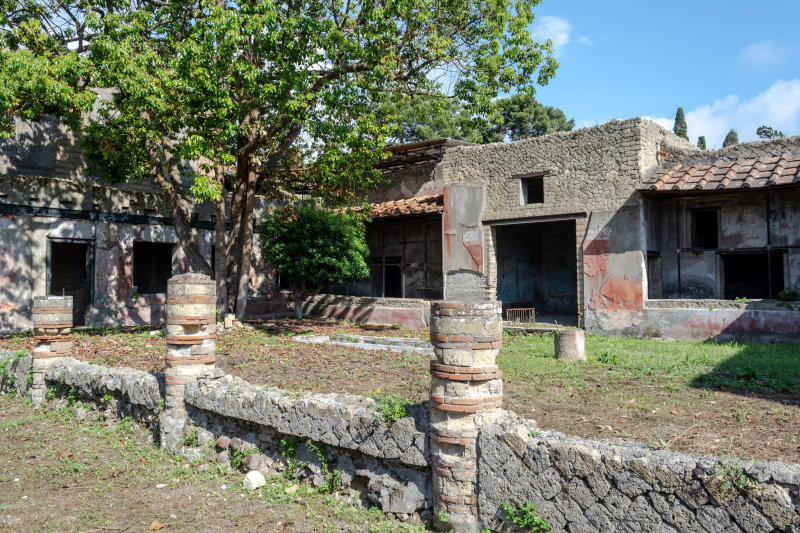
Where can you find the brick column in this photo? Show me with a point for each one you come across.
(52, 325)
(466, 393)
(191, 349)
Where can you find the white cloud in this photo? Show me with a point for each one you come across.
(665, 123)
(554, 28)
(585, 40)
(766, 53)
(778, 107)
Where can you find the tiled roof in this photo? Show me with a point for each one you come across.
(726, 175)
(409, 206)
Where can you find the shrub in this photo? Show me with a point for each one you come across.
(312, 247)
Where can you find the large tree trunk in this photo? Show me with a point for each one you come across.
(234, 233)
(246, 248)
(220, 248)
(170, 183)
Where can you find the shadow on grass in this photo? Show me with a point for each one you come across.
(306, 325)
(767, 371)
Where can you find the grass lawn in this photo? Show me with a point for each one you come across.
(725, 399)
(57, 474)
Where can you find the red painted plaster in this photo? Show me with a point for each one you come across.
(475, 249)
(595, 258)
(618, 294)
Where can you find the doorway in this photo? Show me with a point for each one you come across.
(70, 275)
(537, 268)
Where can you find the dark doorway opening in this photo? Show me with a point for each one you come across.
(70, 275)
(749, 275)
(152, 266)
(537, 267)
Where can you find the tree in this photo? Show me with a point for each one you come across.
(701, 142)
(421, 118)
(766, 132)
(731, 138)
(679, 128)
(520, 117)
(312, 247)
(280, 98)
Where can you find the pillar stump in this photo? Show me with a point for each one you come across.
(191, 349)
(52, 325)
(570, 344)
(466, 393)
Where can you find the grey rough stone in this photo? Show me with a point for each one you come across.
(394, 496)
(626, 486)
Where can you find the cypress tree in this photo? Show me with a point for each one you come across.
(679, 128)
(701, 142)
(731, 138)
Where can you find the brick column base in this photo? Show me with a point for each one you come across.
(466, 393)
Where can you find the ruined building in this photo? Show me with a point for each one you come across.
(621, 228)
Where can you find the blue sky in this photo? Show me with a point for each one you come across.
(731, 64)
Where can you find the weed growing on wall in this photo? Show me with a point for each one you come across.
(192, 439)
(734, 476)
(333, 477)
(237, 457)
(391, 408)
(288, 449)
(525, 517)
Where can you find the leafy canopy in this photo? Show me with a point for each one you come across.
(516, 117)
(294, 91)
(767, 132)
(312, 247)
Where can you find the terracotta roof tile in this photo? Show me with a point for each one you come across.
(409, 206)
(727, 175)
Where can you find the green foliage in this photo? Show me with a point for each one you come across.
(421, 118)
(679, 128)
(516, 117)
(391, 408)
(787, 295)
(288, 448)
(520, 116)
(291, 94)
(730, 139)
(442, 516)
(525, 517)
(107, 397)
(312, 247)
(766, 132)
(333, 477)
(50, 395)
(237, 456)
(72, 396)
(701, 142)
(192, 439)
(733, 476)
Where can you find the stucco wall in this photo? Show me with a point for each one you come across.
(592, 177)
(105, 218)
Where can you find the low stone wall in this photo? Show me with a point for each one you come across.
(576, 484)
(15, 371)
(580, 485)
(408, 312)
(390, 464)
(751, 321)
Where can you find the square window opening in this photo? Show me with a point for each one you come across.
(705, 229)
(747, 275)
(152, 266)
(532, 190)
